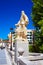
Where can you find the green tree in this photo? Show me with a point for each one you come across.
(37, 17)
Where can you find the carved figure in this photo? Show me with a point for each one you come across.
(21, 30)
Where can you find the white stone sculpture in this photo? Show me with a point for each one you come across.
(21, 27)
(21, 45)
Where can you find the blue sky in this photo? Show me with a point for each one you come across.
(10, 12)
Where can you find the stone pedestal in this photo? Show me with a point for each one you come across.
(21, 46)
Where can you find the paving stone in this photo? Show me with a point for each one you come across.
(4, 57)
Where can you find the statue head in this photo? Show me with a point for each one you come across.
(22, 12)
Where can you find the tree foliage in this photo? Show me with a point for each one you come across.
(37, 17)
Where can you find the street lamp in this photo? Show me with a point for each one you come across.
(11, 30)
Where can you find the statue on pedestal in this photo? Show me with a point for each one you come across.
(21, 45)
(21, 30)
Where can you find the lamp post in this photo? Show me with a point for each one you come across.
(11, 29)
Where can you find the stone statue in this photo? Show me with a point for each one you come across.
(21, 30)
